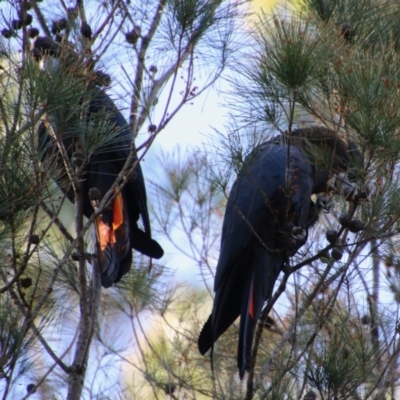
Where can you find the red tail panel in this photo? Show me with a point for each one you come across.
(112, 231)
(118, 212)
(103, 232)
(251, 300)
(106, 233)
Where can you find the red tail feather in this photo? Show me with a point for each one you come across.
(114, 246)
(118, 212)
(251, 300)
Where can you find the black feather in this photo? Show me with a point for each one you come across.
(100, 171)
(255, 241)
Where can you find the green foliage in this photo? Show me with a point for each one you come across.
(50, 279)
(143, 288)
(334, 331)
(192, 16)
(368, 89)
(13, 344)
(170, 363)
(341, 358)
(324, 9)
(17, 197)
(335, 64)
(290, 52)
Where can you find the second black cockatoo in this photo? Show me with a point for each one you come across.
(266, 221)
(117, 230)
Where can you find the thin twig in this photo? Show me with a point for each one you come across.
(140, 67)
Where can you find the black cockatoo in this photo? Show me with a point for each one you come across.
(117, 230)
(266, 221)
